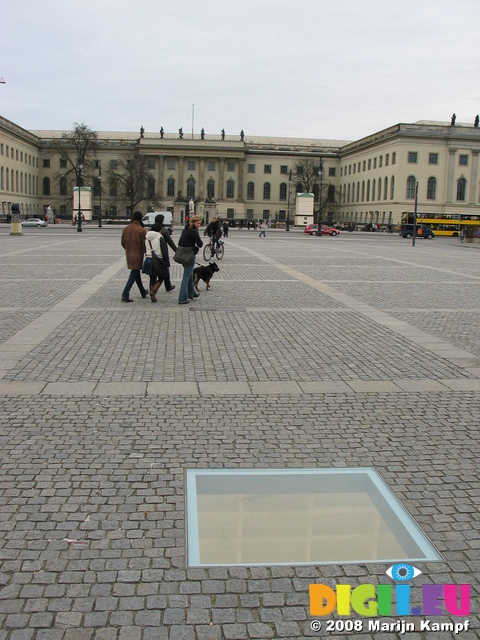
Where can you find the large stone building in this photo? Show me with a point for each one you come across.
(371, 180)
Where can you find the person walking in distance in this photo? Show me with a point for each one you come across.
(133, 241)
(263, 226)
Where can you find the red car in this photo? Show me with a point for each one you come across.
(312, 229)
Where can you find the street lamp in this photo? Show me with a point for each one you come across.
(79, 182)
(415, 215)
(100, 188)
(320, 173)
(287, 228)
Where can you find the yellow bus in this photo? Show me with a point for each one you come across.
(445, 224)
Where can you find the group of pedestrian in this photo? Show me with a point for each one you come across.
(139, 246)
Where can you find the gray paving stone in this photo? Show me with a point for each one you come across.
(235, 631)
(211, 632)
(259, 630)
(106, 634)
(181, 633)
(22, 634)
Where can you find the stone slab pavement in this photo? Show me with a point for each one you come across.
(359, 350)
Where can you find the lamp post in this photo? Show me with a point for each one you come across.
(287, 228)
(100, 188)
(320, 173)
(415, 215)
(79, 182)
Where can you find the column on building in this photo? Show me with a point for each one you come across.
(450, 174)
(474, 177)
(161, 176)
(241, 179)
(221, 178)
(201, 179)
(181, 185)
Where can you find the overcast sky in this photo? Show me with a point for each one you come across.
(337, 69)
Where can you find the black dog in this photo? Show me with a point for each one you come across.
(204, 273)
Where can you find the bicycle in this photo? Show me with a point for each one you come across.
(210, 252)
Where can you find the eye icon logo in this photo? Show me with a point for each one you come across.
(402, 572)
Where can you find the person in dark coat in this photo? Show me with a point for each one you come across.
(133, 241)
(214, 231)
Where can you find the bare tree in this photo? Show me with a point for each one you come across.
(308, 180)
(305, 175)
(75, 148)
(131, 183)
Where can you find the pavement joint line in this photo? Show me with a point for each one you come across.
(243, 389)
(380, 317)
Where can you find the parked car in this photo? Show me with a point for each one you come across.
(312, 229)
(406, 231)
(34, 222)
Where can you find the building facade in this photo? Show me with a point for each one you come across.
(372, 180)
(379, 174)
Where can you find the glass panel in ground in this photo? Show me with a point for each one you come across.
(300, 518)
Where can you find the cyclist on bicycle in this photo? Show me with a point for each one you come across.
(214, 232)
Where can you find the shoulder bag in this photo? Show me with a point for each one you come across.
(184, 255)
(159, 266)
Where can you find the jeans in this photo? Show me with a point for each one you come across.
(134, 277)
(186, 287)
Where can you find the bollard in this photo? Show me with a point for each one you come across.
(16, 225)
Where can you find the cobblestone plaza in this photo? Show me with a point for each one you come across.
(354, 351)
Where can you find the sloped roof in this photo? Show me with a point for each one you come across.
(264, 141)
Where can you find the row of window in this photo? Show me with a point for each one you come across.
(357, 167)
(231, 166)
(171, 165)
(191, 188)
(433, 158)
(18, 181)
(18, 155)
(351, 192)
(412, 158)
(366, 165)
(355, 192)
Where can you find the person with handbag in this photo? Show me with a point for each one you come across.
(156, 259)
(167, 236)
(188, 246)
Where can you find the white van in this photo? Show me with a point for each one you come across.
(149, 219)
